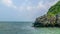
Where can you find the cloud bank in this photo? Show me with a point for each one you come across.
(28, 4)
(8, 3)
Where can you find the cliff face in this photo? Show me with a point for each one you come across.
(52, 18)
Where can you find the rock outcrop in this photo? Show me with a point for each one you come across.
(51, 19)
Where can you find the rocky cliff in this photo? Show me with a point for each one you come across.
(51, 19)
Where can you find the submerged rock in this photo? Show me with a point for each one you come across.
(51, 19)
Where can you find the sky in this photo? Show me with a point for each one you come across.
(24, 10)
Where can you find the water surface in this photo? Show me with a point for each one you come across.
(25, 28)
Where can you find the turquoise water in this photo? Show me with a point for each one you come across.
(25, 28)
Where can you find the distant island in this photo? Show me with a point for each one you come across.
(51, 19)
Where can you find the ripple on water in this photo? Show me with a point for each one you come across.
(9, 28)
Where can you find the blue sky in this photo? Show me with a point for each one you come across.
(24, 10)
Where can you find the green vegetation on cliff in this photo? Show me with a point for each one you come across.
(54, 10)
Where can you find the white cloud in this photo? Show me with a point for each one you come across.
(45, 5)
(21, 8)
(29, 8)
(26, 8)
(40, 5)
(8, 3)
(26, 0)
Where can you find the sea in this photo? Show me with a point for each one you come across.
(25, 28)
